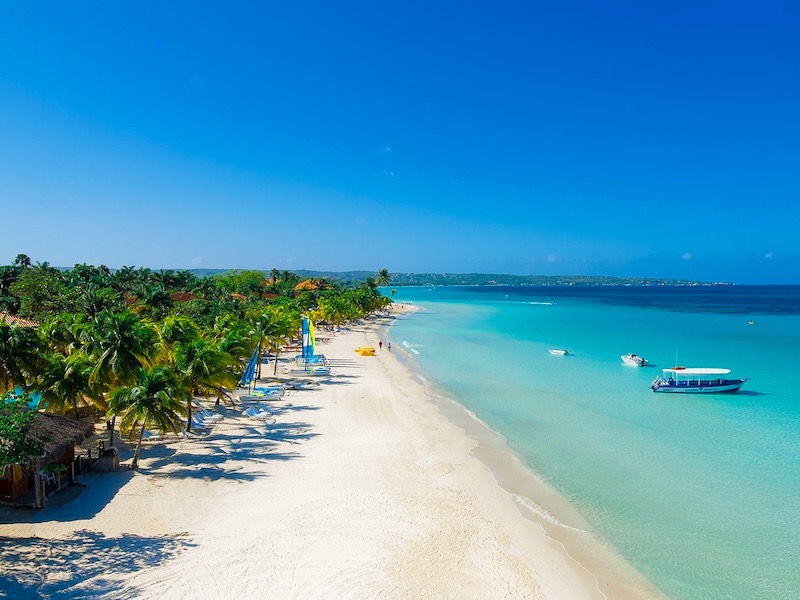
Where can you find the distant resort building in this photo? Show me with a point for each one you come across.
(13, 321)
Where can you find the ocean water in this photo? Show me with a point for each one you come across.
(700, 493)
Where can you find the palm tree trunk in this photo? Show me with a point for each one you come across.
(277, 353)
(135, 461)
(111, 431)
(189, 412)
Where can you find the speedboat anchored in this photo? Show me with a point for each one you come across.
(696, 381)
(633, 360)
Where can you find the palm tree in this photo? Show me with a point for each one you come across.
(204, 369)
(154, 400)
(177, 329)
(20, 357)
(276, 327)
(64, 333)
(383, 277)
(22, 260)
(120, 344)
(64, 384)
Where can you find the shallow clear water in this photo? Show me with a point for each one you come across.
(698, 492)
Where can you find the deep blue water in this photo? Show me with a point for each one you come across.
(699, 493)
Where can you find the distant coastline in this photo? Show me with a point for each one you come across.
(498, 279)
(354, 278)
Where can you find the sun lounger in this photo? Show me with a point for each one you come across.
(208, 416)
(262, 415)
(152, 436)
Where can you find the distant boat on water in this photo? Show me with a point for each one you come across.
(696, 381)
(633, 360)
(558, 352)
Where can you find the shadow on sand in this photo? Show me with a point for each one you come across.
(78, 566)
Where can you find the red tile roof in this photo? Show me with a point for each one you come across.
(8, 319)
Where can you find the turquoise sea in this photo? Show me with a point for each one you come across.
(700, 493)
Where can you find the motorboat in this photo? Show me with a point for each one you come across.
(559, 352)
(634, 360)
(696, 381)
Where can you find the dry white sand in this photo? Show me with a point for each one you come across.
(361, 488)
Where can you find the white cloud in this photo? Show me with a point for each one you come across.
(687, 256)
(768, 255)
(197, 261)
(551, 258)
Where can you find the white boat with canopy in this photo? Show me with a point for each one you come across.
(696, 381)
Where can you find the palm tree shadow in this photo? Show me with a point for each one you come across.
(80, 566)
(218, 457)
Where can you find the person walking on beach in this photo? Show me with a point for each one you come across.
(380, 344)
(389, 346)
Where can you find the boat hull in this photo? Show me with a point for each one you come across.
(633, 360)
(682, 387)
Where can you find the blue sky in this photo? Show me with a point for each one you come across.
(606, 138)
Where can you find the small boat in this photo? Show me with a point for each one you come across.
(696, 381)
(559, 352)
(633, 360)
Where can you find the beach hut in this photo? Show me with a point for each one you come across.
(30, 484)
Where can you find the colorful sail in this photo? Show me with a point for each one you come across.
(308, 349)
(250, 371)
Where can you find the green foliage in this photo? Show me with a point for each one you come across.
(43, 293)
(119, 344)
(20, 356)
(65, 386)
(19, 442)
(242, 282)
(154, 400)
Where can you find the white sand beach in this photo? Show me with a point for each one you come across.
(361, 488)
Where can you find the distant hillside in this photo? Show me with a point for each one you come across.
(350, 278)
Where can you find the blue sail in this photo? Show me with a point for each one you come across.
(308, 347)
(250, 371)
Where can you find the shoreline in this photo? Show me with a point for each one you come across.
(363, 486)
(539, 503)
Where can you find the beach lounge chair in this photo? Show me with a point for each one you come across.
(208, 416)
(198, 422)
(151, 436)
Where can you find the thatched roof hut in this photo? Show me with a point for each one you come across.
(62, 433)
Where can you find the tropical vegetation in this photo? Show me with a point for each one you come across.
(138, 345)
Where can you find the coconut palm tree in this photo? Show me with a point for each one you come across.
(64, 333)
(204, 370)
(383, 277)
(120, 344)
(278, 324)
(22, 260)
(154, 400)
(64, 384)
(20, 356)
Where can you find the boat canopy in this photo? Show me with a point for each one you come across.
(696, 371)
